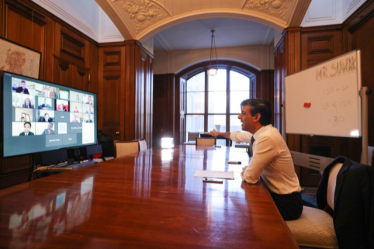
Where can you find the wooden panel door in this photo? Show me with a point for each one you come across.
(111, 94)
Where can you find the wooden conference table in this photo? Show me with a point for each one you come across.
(145, 200)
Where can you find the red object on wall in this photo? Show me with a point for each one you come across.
(306, 104)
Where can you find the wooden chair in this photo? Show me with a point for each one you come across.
(205, 141)
(123, 148)
(192, 136)
(315, 227)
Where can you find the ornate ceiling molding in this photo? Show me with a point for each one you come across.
(140, 19)
(272, 7)
(143, 13)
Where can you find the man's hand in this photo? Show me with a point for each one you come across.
(215, 133)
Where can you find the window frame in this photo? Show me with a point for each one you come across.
(227, 114)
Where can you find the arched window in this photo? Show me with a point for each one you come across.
(213, 102)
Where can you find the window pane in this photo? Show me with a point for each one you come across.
(217, 123)
(235, 124)
(217, 82)
(196, 83)
(239, 81)
(195, 102)
(216, 102)
(194, 123)
(236, 97)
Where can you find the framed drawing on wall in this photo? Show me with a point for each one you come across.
(18, 59)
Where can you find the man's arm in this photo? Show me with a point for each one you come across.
(220, 134)
(236, 136)
(265, 152)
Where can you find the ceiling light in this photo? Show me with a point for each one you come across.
(212, 71)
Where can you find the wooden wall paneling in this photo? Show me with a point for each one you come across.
(93, 68)
(265, 87)
(292, 65)
(177, 109)
(129, 55)
(112, 122)
(164, 97)
(48, 51)
(26, 28)
(139, 92)
(11, 165)
(279, 65)
(111, 95)
(319, 46)
(2, 15)
(70, 46)
(148, 98)
(14, 178)
(61, 72)
(82, 78)
(100, 86)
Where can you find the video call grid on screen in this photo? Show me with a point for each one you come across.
(40, 116)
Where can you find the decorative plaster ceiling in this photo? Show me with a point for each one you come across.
(230, 32)
(141, 19)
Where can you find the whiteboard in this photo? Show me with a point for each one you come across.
(332, 89)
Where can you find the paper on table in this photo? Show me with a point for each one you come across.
(214, 174)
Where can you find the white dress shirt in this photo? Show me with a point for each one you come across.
(271, 160)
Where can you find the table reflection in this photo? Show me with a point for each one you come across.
(52, 213)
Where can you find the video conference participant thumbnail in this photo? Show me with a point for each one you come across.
(23, 100)
(44, 91)
(88, 109)
(76, 118)
(23, 86)
(45, 116)
(88, 118)
(76, 107)
(76, 97)
(62, 94)
(45, 129)
(62, 105)
(45, 103)
(88, 99)
(23, 129)
(23, 114)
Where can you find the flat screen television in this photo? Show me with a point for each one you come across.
(40, 116)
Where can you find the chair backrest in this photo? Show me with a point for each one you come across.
(205, 141)
(123, 148)
(192, 136)
(142, 145)
(332, 184)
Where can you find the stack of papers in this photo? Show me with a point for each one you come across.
(214, 174)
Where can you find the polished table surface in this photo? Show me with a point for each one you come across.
(145, 200)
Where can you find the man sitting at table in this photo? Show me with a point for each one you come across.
(271, 158)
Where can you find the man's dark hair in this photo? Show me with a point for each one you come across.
(46, 114)
(22, 81)
(259, 106)
(26, 123)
